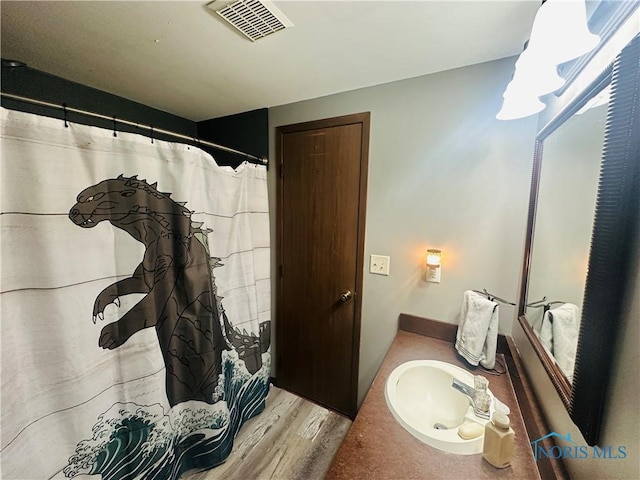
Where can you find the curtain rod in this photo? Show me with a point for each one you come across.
(253, 158)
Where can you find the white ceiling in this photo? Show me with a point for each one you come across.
(180, 57)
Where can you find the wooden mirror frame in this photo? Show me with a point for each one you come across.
(616, 223)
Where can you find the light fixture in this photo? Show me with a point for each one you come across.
(559, 34)
(537, 74)
(519, 102)
(434, 267)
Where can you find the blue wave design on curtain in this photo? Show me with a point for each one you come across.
(143, 444)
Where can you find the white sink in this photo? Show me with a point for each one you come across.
(421, 398)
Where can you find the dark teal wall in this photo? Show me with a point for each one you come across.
(32, 83)
(247, 132)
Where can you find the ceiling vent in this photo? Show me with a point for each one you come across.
(253, 18)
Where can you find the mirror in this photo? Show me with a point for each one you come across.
(566, 204)
(584, 212)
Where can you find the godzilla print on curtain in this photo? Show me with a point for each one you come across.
(135, 303)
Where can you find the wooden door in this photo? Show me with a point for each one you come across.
(321, 213)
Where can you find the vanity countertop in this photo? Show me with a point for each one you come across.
(377, 447)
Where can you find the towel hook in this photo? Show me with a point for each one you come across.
(537, 303)
(493, 297)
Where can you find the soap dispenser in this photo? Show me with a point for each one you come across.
(498, 440)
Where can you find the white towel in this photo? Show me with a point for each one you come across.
(565, 325)
(546, 331)
(477, 336)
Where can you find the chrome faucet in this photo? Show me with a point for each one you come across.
(478, 397)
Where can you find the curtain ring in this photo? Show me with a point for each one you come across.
(151, 133)
(115, 134)
(64, 110)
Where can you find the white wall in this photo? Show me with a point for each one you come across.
(443, 173)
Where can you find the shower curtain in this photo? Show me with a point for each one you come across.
(135, 303)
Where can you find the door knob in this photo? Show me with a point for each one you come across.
(346, 296)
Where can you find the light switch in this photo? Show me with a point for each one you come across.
(380, 264)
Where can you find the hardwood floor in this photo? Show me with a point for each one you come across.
(292, 439)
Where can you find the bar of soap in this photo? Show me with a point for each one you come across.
(470, 430)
